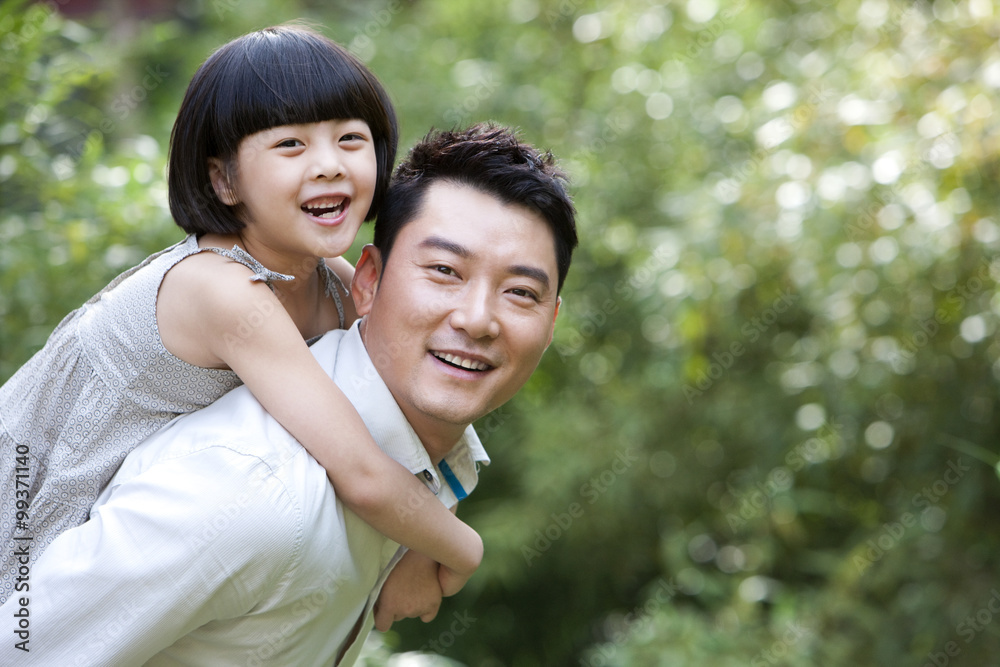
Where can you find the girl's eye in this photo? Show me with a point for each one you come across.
(289, 143)
(355, 139)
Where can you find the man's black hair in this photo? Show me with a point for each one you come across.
(491, 159)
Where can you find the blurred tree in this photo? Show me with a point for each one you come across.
(767, 428)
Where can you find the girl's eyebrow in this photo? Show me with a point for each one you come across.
(465, 253)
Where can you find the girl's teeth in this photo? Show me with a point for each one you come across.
(321, 211)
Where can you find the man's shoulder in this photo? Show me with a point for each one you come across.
(241, 455)
(236, 422)
(253, 500)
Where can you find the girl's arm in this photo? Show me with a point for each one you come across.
(414, 588)
(245, 327)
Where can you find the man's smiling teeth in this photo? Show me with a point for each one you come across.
(461, 362)
(328, 207)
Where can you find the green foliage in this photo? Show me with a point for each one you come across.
(80, 202)
(766, 431)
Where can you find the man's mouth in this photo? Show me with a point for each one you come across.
(462, 362)
(325, 207)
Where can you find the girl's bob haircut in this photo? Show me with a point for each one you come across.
(282, 75)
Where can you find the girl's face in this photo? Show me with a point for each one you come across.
(302, 189)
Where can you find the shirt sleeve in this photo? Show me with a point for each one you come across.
(187, 541)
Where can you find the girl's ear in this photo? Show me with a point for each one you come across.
(219, 176)
(366, 276)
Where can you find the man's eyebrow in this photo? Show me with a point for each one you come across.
(531, 272)
(465, 253)
(445, 244)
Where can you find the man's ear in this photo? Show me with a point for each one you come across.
(366, 277)
(552, 331)
(219, 176)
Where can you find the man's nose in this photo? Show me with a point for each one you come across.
(475, 312)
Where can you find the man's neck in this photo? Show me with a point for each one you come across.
(437, 437)
(437, 447)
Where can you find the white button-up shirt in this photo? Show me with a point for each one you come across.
(220, 541)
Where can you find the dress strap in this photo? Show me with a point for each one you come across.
(331, 281)
(260, 272)
(334, 285)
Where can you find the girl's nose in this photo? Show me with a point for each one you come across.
(326, 163)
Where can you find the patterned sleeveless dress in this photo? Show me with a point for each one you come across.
(101, 384)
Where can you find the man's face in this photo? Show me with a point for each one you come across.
(460, 316)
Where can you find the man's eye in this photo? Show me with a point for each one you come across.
(525, 293)
(447, 270)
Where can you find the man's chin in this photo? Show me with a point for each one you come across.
(454, 414)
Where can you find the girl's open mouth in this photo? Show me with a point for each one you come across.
(325, 207)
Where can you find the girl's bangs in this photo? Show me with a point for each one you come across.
(279, 87)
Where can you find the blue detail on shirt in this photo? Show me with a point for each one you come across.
(449, 476)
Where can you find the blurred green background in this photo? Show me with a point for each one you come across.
(767, 430)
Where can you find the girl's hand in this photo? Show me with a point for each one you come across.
(451, 582)
(411, 590)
